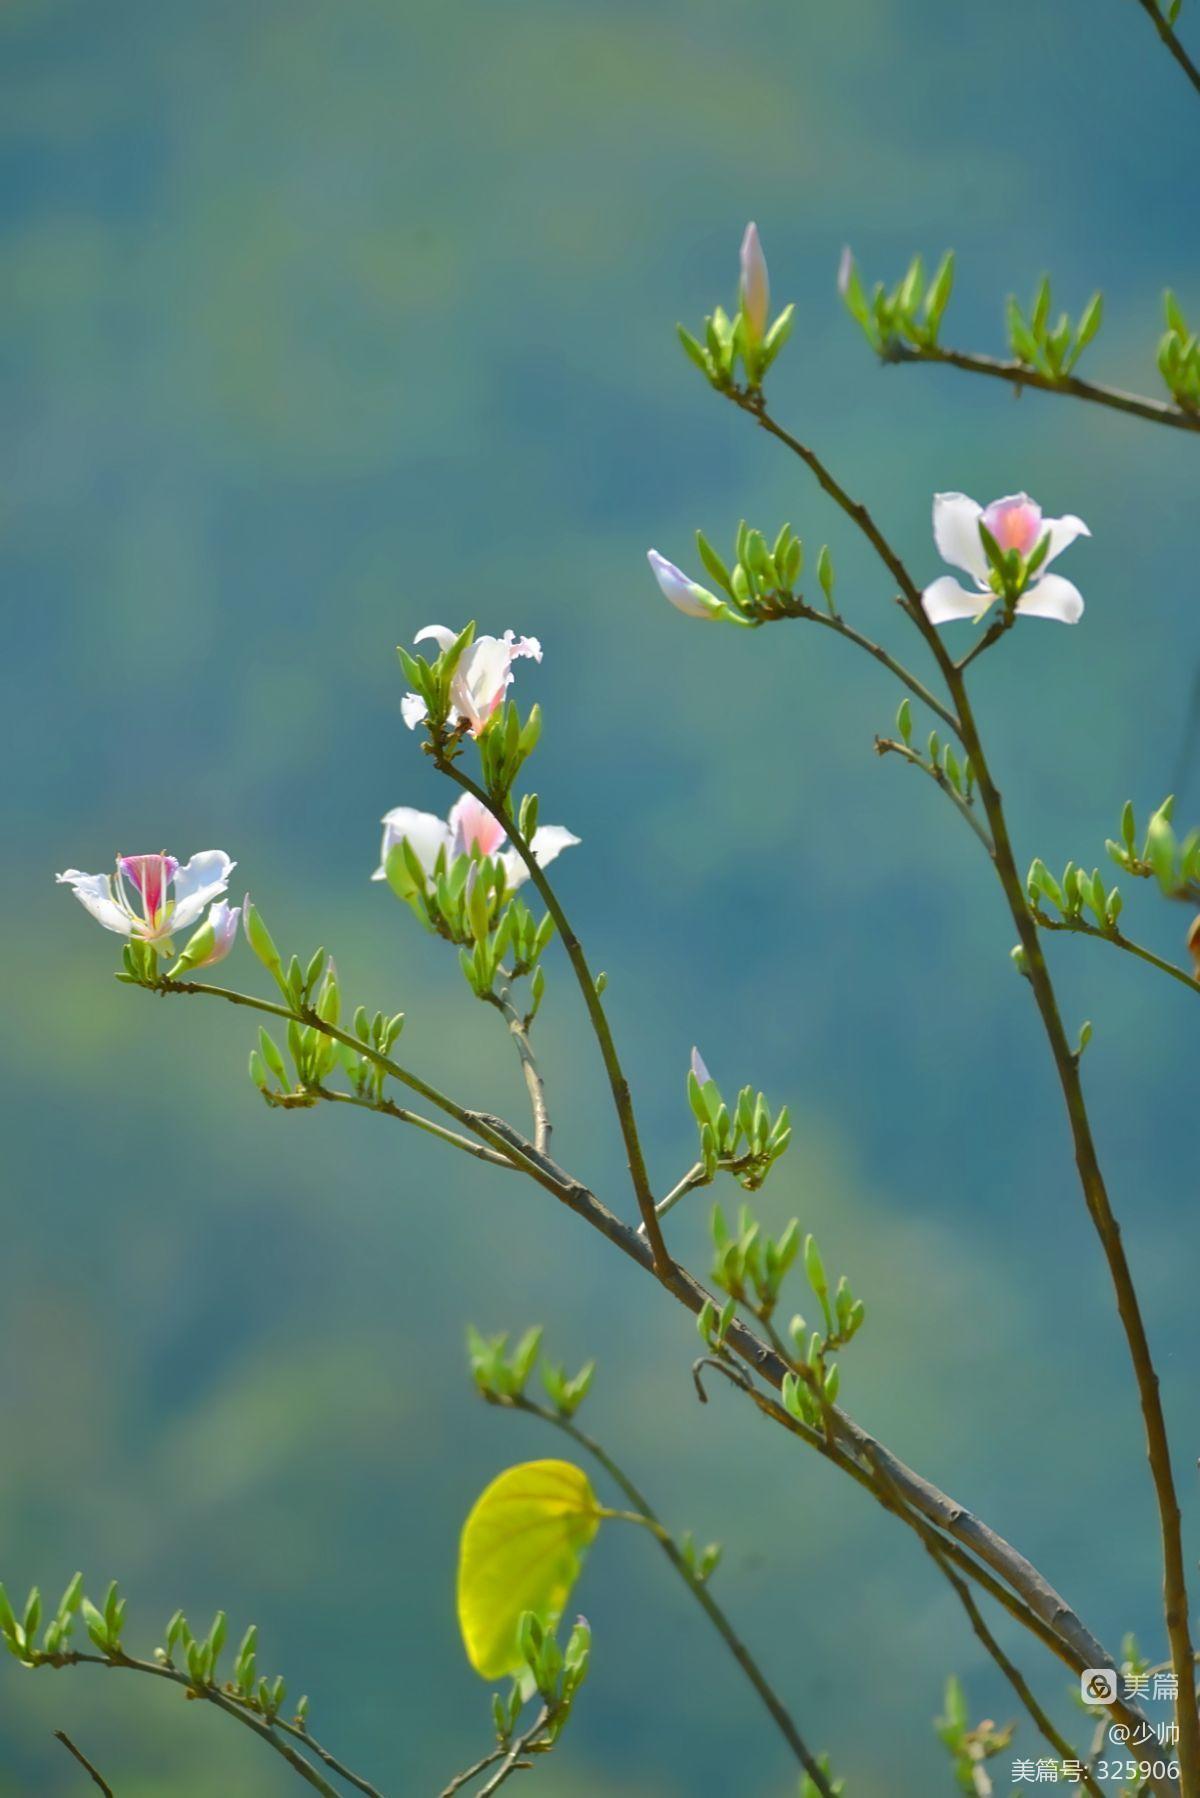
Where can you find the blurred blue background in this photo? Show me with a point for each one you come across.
(318, 323)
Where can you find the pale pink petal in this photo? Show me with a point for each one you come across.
(413, 710)
(684, 593)
(699, 1069)
(1052, 597)
(956, 533)
(204, 879)
(945, 600)
(1015, 522)
(472, 826)
(523, 646)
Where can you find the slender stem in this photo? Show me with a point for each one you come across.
(512, 1761)
(534, 1084)
(695, 1177)
(836, 623)
(386, 1108)
(60, 1735)
(1091, 1179)
(1011, 1672)
(1152, 12)
(1080, 927)
(1175, 1601)
(300, 1734)
(1020, 375)
(211, 1694)
(619, 1085)
(886, 746)
(644, 1514)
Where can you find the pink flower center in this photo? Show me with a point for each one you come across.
(1015, 523)
(151, 875)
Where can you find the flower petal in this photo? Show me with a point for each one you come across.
(956, 533)
(549, 841)
(200, 881)
(945, 600)
(413, 710)
(94, 893)
(754, 289)
(427, 834)
(1063, 532)
(699, 1068)
(472, 826)
(444, 638)
(1015, 522)
(523, 646)
(1052, 597)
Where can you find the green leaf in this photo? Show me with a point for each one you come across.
(521, 1550)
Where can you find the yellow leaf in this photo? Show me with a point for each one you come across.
(521, 1550)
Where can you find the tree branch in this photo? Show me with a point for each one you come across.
(1165, 32)
(1020, 375)
(887, 746)
(1080, 927)
(60, 1735)
(534, 1083)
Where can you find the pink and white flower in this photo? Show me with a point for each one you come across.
(151, 897)
(685, 594)
(481, 680)
(470, 829)
(1015, 523)
(213, 941)
(754, 290)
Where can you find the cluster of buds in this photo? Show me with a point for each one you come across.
(312, 1050)
(1162, 857)
(758, 585)
(745, 1142)
(817, 1379)
(750, 337)
(502, 1373)
(1051, 349)
(749, 1265)
(970, 1746)
(1179, 357)
(555, 1674)
(938, 759)
(910, 314)
(20, 1632)
(1077, 892)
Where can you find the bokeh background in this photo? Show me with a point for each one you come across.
(318, 323)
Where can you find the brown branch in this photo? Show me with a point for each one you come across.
(1165, 32)
(535, 1086)
(1020, 375)
(60, 1735)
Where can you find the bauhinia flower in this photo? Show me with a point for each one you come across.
(754, 289)
(481, 680)
(1022, 545)
(151, 897)
(469, 829)
(682, 591)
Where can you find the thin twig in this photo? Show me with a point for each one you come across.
(887, 746)
(618, 1084)
(97, 1779)
(833, 621)
(535, 1086)
(211, 1694)
(644, 1514)
(1080, 927)
(386, 1108)
(1020, 375)
(1165, 32)
(513, 1761)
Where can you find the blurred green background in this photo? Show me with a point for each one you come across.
(318, 323)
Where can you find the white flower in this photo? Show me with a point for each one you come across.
(481, 680)
(469, 828)
(681, 590)
(754, 290)
(150, 897)
(1016, 525)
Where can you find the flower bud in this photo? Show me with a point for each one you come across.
(754, 290)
